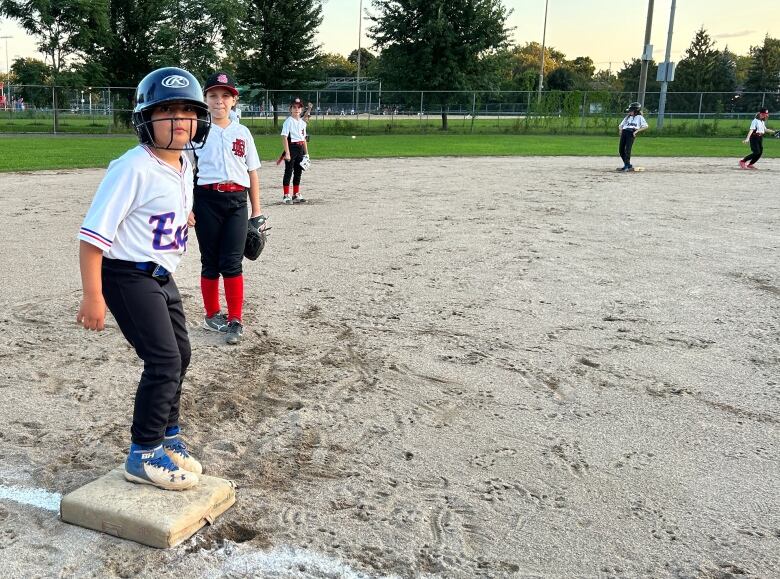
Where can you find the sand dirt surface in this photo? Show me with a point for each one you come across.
(498, 367)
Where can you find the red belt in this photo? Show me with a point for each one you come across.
(224, 187)
(298, 142)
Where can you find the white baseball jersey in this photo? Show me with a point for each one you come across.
(633, 122)
(295, 129)
(140, 210)
(758, 126)
(228, 155)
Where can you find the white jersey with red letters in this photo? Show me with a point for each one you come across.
(295, 129)
(228, 155)
(140, 210)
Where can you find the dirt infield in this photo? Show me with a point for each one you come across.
(452, 367)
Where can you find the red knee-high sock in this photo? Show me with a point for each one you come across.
(210, 290)
(296, 190)
(286, 189)
(234, 296)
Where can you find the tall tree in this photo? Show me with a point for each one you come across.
(63, 28)
(191, 33)
(275, 46)
(764, 72)
(33, 74)
(438, 44)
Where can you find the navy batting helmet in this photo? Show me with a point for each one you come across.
(169, 85)
(634, 107)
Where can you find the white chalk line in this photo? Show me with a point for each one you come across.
(287, 562)
(33, 497)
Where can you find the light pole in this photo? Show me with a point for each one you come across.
(647, 54)
(541, 66)
(667, 70)
(7, 71)
(89, 88)
(360, 33)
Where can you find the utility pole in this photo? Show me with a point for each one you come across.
(360, 33)
(541, 66)
(667, 70)
(647, 53)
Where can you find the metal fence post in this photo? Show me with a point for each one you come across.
(701, 97)
(54, 110)
(421, 107)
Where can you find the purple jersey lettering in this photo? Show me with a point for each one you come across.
(161, 229)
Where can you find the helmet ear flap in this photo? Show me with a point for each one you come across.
(141, 126)
(204, 126)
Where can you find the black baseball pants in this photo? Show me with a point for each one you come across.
(221, 222)
(626, 143)
(756, 148)
(292, 168)
(150, 314)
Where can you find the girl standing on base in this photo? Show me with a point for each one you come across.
(131, 241)
(755, 137)
(633, 124)
(296, 152)
(227, 170)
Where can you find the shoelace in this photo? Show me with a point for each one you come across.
(163, 462)
(177, 445)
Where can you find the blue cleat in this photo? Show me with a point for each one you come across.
(177, 451)
(151, 466)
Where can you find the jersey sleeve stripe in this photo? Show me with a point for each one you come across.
(96, 236)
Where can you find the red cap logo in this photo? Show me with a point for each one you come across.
(222, 78)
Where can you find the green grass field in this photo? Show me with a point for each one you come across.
(31, 153)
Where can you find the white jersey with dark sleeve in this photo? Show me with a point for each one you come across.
(295, 129)
(228, 155)
(633, 122)
(140, 210)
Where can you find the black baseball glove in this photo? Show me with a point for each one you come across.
(256, 236)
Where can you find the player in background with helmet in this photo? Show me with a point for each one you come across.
(227, 171)
(296, 152)
(755, 137)
(633, 124)
(130, 243)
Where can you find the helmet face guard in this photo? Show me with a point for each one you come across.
(144, 128)
(168, 86)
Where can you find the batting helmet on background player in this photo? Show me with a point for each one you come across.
(634, 107)
(169, 85)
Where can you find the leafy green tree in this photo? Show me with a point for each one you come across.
(275, 46)
(606, 80)
(33, 75)
(764, 72)
(63, 28)
(628, 78)
(334, 65)
(369, 64)
(438, 44)
(561, 78)
(191, 33)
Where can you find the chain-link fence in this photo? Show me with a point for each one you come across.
(41, 109)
